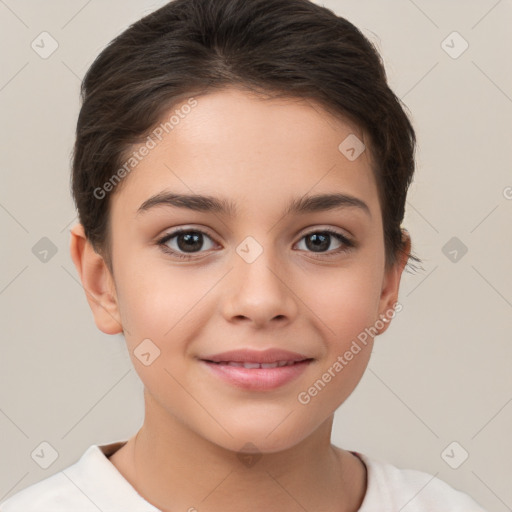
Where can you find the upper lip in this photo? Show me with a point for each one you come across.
(270, 355)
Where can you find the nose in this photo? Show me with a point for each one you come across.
(260, 292)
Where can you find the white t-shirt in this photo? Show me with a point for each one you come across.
(94, 484)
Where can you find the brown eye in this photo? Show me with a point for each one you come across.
(321, 242)
(189, 242)
(184, 242)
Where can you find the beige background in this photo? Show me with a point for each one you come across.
(442, 371)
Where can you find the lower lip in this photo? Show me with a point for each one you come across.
(258, 379)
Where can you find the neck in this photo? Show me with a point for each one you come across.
(175, 469)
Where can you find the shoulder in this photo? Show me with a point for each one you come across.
(77, 487)
(411, 490)
(55, 493)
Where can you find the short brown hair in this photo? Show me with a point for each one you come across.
(291, 48)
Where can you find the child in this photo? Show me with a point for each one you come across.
(263, 134)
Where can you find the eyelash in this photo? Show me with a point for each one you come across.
(347, 244)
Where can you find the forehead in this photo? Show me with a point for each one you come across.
(256, 151)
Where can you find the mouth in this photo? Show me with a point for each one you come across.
(255, 365)
(257, 370)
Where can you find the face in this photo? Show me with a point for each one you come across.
(276, 284)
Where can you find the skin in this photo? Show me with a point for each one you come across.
(259, 153)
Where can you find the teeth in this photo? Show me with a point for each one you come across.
(269, 365)
(251, 365)
(248, 365)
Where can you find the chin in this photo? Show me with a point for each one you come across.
(263, 437)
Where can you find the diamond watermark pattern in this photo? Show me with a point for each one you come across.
(249, 459)
(454, 45)
(352, 147)
(44, 250)
(454, 455)
(44, 455)
(249, 250)
(454, 249)
(146, 352)
(44, 45)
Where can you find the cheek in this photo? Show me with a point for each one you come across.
(149, 292)
(157, 307)
(346, 302)
(160, 302)
(346, 308)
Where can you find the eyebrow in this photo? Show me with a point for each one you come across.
(205, 203)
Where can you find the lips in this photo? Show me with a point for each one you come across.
(268, 356)
(257, 370)
(250, 365)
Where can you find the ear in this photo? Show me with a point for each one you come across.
(391, 283)
(97, 282)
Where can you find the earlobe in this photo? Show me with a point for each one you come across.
(391, 284)
(97, 282)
